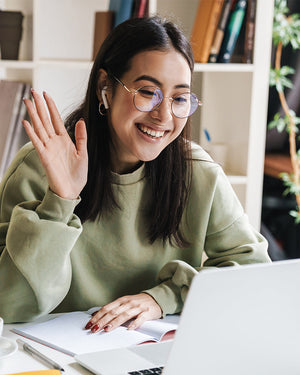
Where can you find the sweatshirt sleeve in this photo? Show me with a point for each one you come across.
(38, 230)
(219, 228)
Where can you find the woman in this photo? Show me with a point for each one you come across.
(119, 217)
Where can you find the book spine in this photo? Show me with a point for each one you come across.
(250, 32)
(142, 11)
(124, 12)
(103, 25)
(200, 26)
(211, 29)
(219, 35)
(232, 31)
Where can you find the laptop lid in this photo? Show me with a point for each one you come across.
(240, 320)
(236, 321)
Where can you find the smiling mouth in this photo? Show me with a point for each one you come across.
(150, 132)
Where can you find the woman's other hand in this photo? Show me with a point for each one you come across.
(139, 307)
(65, 164)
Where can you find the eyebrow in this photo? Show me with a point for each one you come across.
(158, 83)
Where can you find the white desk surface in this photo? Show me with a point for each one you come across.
(20, 361)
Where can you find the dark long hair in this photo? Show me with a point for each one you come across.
(170, 172)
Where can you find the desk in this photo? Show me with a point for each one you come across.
(21, 361)
(277, 163)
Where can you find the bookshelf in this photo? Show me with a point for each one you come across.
(55, 57)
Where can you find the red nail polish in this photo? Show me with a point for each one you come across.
(95, 328)
(89, 325)
(107, 327)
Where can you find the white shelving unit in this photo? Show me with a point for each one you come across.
(55, 56)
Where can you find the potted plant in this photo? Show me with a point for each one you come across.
(286, 30)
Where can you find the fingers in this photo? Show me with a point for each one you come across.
(56, 120)
(42, 112)
(38, 126)
(142, 307)
(81, 137)
(42, 125)
(33, 137)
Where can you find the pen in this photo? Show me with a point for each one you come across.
(35, 353)
(207, 135)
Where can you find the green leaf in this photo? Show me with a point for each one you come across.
(285, 82)
(278, 123)
(296, 215)
(285, 70)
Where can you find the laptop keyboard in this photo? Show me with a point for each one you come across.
(149, 371)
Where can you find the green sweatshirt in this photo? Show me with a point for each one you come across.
(50, 262)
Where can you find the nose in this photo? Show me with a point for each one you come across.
(163, 112)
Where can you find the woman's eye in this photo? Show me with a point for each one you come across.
(148, 92)
(180, 99)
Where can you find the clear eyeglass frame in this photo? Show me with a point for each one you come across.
(148, 98)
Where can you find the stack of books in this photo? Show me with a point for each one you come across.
(223, 31)
(118, 12)
(12, 113)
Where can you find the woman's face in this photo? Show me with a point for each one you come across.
(139, 136)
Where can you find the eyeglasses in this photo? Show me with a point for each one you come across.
(149, 98)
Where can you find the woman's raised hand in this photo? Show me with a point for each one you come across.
(66, 164)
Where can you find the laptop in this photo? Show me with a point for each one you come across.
(242, 320)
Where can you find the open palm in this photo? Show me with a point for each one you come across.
(65, 164)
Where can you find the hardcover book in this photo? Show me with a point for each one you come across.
(232, 31)
(204, 28)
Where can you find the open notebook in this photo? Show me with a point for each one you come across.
(67, 334)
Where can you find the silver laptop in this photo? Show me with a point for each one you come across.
(236, 321)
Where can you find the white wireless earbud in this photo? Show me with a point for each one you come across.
(103, 94)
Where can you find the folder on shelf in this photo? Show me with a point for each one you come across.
(12, 112)
(204, 28)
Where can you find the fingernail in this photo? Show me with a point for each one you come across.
(95, 328)
(88, 325)
(107, 327)
(32, 90)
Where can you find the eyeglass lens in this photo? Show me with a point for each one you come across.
(148, 98)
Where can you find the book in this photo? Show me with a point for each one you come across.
(249, 32)
(66, 333)
(122, 9)
(219, 34)
(103, 25)
(204, 28)
(140, 8)
(232, 31)
(12, 112)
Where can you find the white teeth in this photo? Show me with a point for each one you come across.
(153, 133)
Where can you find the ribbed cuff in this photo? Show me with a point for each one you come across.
(167, 296)
(56, 208)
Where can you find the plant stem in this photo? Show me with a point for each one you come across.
(291, 127)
